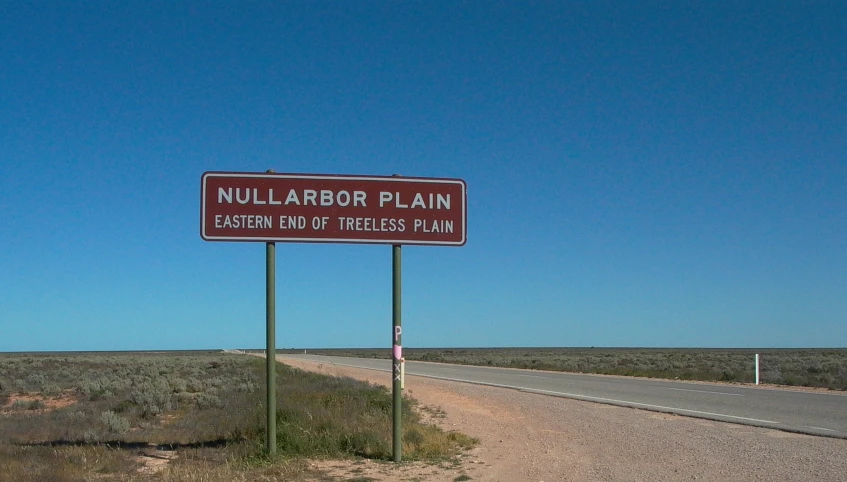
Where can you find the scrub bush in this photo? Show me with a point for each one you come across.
(114, 422)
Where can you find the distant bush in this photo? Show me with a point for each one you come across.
(178, 385)
(185, 397)
(73, 416)
(34, 381)
(194, 385)
(152, 397)
(114, 422)
(207, 400)
(50, 390)
(91, 435)
(216, 382)
(246, 386)
(101, 387)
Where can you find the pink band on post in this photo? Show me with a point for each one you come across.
(398, 352)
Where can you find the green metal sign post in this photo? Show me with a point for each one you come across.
(270, 353)
(397, 351)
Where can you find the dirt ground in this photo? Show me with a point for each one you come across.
(46, 403)
(531, 437)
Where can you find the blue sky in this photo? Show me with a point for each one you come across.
(639, 173)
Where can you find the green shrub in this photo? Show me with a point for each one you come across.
(124, 406)
(208, 400)
(193, 385)
(178, 385)
(368, 443)
(247, 386)
(50, 389)
(74, 416)
(35, 380)
(114, 423)
(153, 397)
(91, 435)
(185, 397)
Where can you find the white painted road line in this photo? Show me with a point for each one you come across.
(369, 368)
(780, 409)
(583, 397)
(821, 428)
(705, 391)
(648, 405)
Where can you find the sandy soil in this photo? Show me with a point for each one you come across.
(530, 437)
(48, 403)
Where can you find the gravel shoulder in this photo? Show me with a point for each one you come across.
(531, 437)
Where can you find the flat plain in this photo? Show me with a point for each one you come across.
(185, 416)
(801, 367)
(527, 436)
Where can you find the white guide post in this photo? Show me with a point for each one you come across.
(757, 368)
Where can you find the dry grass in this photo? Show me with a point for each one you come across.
(64, 463)
(189, 417)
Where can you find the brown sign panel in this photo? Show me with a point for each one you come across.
(237, 206)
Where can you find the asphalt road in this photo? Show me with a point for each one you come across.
(814, 413)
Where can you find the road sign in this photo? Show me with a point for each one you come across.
(270, 207)
(332, 209)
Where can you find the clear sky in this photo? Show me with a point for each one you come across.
(639, 173)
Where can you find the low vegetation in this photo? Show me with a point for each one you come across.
(825, 368)
(83, 416)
